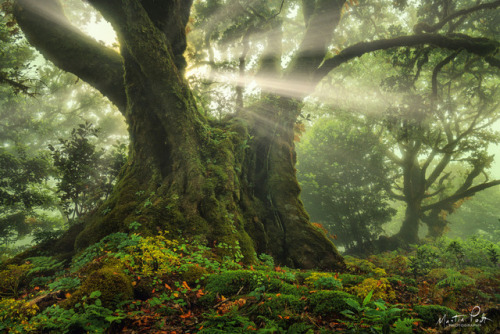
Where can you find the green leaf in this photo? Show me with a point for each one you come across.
(95, 294)
(353, 303)
(367, 298)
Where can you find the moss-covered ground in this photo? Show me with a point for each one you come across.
(128, 283)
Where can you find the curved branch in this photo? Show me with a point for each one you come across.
(48, 30)
(436, 71)
(479, 46)
(463, 12)
(467, 193)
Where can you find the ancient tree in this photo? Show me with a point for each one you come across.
(231, 181)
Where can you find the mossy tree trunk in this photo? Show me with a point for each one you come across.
(229, 182)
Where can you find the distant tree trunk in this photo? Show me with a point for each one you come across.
(409, 229)
(436, 222)
(413, 192)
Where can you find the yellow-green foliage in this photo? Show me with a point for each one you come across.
(381, 289)
(15, 316)
(474, 273)
(364, 266)
(325, 281)
(11, 278)
(438, 273)
(379, 272)
(359, 265)
(153, 255)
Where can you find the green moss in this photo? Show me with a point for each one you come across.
(194, 273)
(230, 282)
(281, 305)
(430, 314)
(113, 284)
(326, 302)
(349, 280)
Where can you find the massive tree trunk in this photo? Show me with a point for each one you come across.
(229, 182)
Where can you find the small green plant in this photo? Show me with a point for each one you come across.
(376, 315)
(65, 283)
(267, 260)
(425, 259)
(493, 255)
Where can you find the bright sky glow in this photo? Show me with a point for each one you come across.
(101, 31)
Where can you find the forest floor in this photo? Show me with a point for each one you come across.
(135, 284)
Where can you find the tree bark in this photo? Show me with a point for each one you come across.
(230, 182)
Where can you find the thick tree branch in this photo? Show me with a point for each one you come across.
(467, 193)
(46, 28)
(479, 46)
(320, 25)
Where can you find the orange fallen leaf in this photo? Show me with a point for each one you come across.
(167, 286)
(199, 293)
(67, 295)
(187, 315)
(184, 284)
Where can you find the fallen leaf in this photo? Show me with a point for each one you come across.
(187, 315)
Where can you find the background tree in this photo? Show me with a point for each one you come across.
(478, 215)
(342, 174)
(231, 181)
(49, 104)
(22, 191)
(86, 175)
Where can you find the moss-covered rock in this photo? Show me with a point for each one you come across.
(113, 284)
(194, 273)
(325, 302)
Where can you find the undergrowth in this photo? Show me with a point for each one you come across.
(128, 283)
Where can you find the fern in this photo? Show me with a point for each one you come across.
(403, 326)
